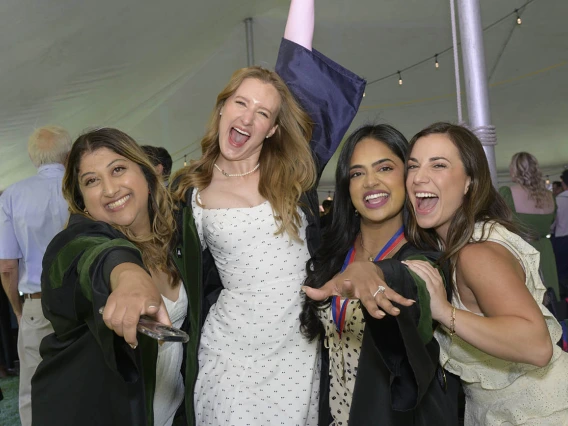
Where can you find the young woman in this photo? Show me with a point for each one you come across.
(379, 369)
(533, 208)
(249, 223)
(496, 334)
(113, 258)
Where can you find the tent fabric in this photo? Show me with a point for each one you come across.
(153, 69)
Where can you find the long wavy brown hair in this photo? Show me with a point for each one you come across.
(482, 203)
(525, 171)
(156, 247)
(287, 167)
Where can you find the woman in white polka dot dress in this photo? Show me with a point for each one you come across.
(248, 227)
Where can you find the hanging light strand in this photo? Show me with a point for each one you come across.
(516, 12)
(436, 64)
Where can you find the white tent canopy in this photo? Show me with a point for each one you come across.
(153, 69)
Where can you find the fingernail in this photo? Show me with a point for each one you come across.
(381, 314)
(101, 310)
(412, 300)
(396, 311)
(133, 346)
(303, 288)
(152, 307)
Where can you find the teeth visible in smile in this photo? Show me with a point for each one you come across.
(118, 203)
(425, 195)
(242, 132)
(373, 196)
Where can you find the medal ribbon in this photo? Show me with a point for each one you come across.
(339, 309)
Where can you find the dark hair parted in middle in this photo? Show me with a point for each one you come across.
(338, 238)
(155, 248)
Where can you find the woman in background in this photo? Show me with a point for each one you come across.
(533, 208)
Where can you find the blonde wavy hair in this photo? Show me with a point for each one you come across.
(287, 167)
(157, 246)
(525, 171)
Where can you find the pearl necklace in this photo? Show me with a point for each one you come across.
(236, 174)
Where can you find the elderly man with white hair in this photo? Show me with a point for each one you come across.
(32, 212)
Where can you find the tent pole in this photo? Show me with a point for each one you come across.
(473, 58)
(250, 45)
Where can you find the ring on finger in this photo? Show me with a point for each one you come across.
(381, 290)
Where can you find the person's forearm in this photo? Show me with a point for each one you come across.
(507, 337)
(9, 275)
(300, 23)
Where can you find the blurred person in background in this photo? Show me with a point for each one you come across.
(560, 240)
(32, 211)
(533, 209)
(161, 160)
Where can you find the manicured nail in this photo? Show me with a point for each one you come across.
(396, 311)
(303, 288)
(133, 346)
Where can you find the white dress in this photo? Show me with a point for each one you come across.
(255, 367)
(169, 391)
(500, 392)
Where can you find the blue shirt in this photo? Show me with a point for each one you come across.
(32, 212)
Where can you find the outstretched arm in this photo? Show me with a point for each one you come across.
(300, 23)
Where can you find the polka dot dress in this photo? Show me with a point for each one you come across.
(255, 367)
(344, 354)
(500, 392)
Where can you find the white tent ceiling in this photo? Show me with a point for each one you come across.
(153, 69)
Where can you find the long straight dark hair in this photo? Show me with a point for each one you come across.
(481, 203)
(345, 225)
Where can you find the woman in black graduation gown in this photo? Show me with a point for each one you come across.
(383, 369)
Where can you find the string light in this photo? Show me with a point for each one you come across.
(185, 160)
(547, 180)
(515, 12)
(329, 195)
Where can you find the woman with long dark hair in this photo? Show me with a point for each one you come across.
(495, 334)
(111, 264)
(381, 368)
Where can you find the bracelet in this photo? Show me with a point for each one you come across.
(453, 322)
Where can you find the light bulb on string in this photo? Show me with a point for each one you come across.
(519, 21)
(436, 64)
(329, 195)
(399, 78)
(547, 180)
(185, 160)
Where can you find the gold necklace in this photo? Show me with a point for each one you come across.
(371, 257)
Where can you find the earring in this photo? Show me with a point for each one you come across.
(356, 212)
(220, 112)
(86, 211)
(266, 137)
